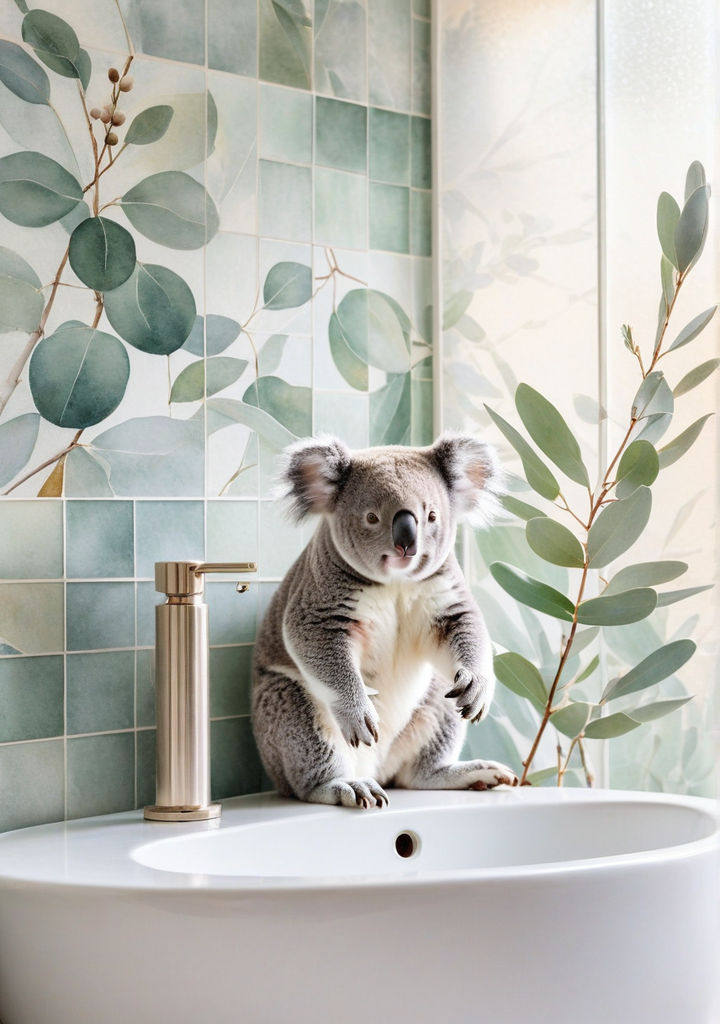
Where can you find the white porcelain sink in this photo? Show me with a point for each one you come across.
(527, 906)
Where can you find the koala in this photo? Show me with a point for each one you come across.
(373, 655)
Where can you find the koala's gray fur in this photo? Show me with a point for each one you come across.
(373, 654)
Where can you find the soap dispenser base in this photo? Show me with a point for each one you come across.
(183, 813)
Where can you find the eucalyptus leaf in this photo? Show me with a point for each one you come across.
(173, 209)
(663, 662)
(536, 472)
(572, 719)
(376, 329)
(695, 377)
(518, 508)
(22, 75)
(522, 677)
(660, 708)
(667, 280)
(206, 377)
(35, 190)
(532, 592)
(589, 670)
(644, 574)
(53, 40)
(551, 433)
(583, 638)
(271, 353)
(639, 465)
(676, 448)
(78, 376)
(211, 335)
(618, 609)
(153, 456)
(655, 427)
(102, 253)
(225, 411)
(17, 441)
(288, 404)
(149, 125)
(694, 179)
(21, 296)
(618, 527)
(691, 330)
(543, 775)
(554, 542)
(691, 230)
(653, 397)
(610, 726)
(352, 368)
(455, 307)
(673, 596)
(668, 215)
(154, 310)
(390, 411)
(287, 286)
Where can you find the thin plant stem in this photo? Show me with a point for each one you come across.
(48, 462)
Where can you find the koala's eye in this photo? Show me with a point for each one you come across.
(372, 518)
(432, 516)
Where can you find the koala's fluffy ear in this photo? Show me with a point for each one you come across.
(471, 471)
(314, 469)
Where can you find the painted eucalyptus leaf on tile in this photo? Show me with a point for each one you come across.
(149, 126)
(22, 75)
(151, 455)
(54, 42)
(154, 310)
(211, 335)
(102, 253)
(390, 411)
(36, 190)
(173, 209)
(21, 297)
(288, 404)
(17, 440)
(285, 42)
(203, 378)
(223, 412)
(287, 286)
(376, 329)
(352, 367)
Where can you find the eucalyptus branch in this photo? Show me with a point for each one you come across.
(48, 462)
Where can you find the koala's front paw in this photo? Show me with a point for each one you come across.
(358, 722)
(470, 694)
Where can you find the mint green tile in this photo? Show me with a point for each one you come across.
(172, 28)
(32, 783)
(145, 688)
(232, 36)
(32, 618)
(167, 531)
(232, 531)
(100, 774)
(343, 414)
(389, 146)
(230, 681)
(147, 598)
(232, 616)
(389, 217)
(420, 152)
(280, 541)
(31, 539)
(340, 134)
(286, 119)
(340, 50)
(422, 412)
(285, 43)
(100, 616)
(340, 209)
(421, 95)
(31, 698)
(421, 8)
(420, 223)
(235, 763)
(99, 538)
(145, 767)
(389, 51)
(100, 691)
(285, 201)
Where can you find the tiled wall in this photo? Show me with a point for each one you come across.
(298, 275)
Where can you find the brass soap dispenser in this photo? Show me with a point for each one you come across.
(182, 688)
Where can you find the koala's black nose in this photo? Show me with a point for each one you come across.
(404, 532)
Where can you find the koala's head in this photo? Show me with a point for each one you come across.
(392, 511)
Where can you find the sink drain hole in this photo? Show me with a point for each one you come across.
(407, 844)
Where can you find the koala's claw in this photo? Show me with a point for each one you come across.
(358, 725)
(468, 693)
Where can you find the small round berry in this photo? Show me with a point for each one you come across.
(118, 117)
(114, 75)
(111, 139)
(95, 113)
(126, 83)
(105, 115)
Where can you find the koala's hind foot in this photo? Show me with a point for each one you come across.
(363, 793)
(466, 775)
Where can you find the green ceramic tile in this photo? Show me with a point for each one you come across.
(147, 598)
(389, 49)
(230, 681)
(422, 412)
(232, 32)
(266, 592)
(420, 223)
(145, 767)
(389, 218)
(100, 691)
(232, 172)
(101, 774)
(420, 152)
(233, 616)
(280, 541)
(389, 146)
(232, 531)
(172, 28)
(340, 209)
(421, 8)
(31, 618)
(31, 698)
(285, 129)
(340, 135)
(32, 783)
(144, 688)
(285, 43)
(343, 414)
(421, 96)
(236, 767)
(167, 531)
(99, 538)
(285, 201)
(340, 50)
(100, 616)
(31, 540)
